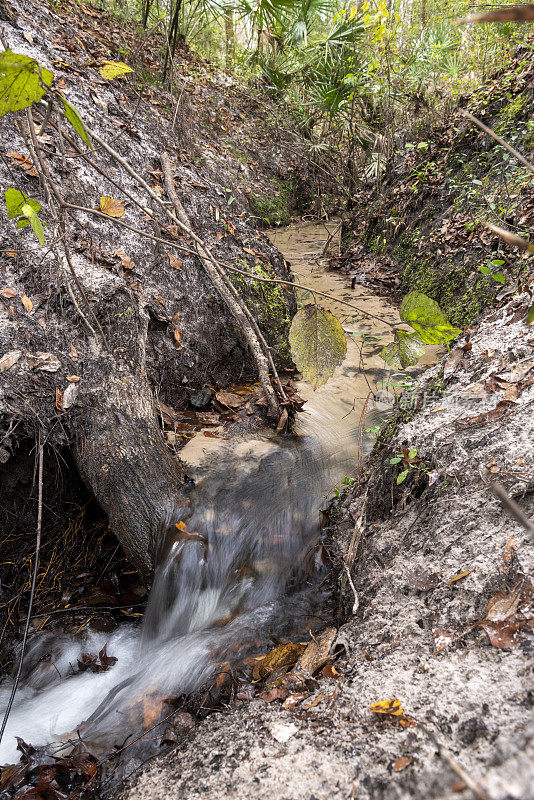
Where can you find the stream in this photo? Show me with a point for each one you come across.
(239, 567)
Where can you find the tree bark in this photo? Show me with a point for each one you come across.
(123, 458)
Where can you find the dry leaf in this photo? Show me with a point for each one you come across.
(229, 399)
(329, 671)
(392, 707)
(502, 606)
(504, 635)
(276, 693)
(9, 359)
(73, 378)
(73, 353)
(401, 763)
(487, 416)
(69, 396)
(174, 231)
(174, 262)
(59, 400)
(312, 703)
(8, 293)
(26, 302)
(316, 654)
(177, 335)
(460, 575)
(126, 261)
(294, 699)
(44, 362)
(111, 207)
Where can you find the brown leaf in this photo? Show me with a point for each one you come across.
(174, 231)
(487, 416)
(504, 635)
(309, 704)
(73, 378)
(316, 654)
(502, 606)
(401, 763)
(229, 399)
(276, 693)
(174, 262)
(329, 671)
(59, 400)
(459, 576)
(8, 293)
(126, 261)
(111, 207)
(26, 302)
(73, 353)
(294, 699)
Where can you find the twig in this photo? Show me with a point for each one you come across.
(32, 591)
(498, 139)
(512, 507)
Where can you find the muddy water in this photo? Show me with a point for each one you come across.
(238, 568)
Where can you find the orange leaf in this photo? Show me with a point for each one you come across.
(73, 378)
(26, 302)
(174, 262)
(460, 575)
(59, 400)
(177, 335)
(111, 207)
(8, 293)
(401, 763)
(126, 261)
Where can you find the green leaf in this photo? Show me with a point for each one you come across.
(405, 351)
(395, 460)
(75, 120)
(403, 475)
(114, 69)
(427, 319)
(37, 226)
(22, 82)
(15, 200)
(484, 270)
(317, 342)
(499, 277)
(412, 452)
(530, 315)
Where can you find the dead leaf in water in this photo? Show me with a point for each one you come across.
(229, 399)
(285, 655)
(318, 344)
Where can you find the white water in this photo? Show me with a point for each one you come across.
(256, 503)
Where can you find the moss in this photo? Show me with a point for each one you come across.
(274, 209)
(270, 303)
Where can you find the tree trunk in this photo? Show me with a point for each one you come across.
(123, 458)
(230, 37)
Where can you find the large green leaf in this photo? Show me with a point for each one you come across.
(427, 319)
(15, 200)
(22, 82)
(75, 120)
(404, 351)
(317, 342)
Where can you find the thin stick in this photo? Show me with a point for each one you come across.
(499, 139)
(32, 592)
(511, 506)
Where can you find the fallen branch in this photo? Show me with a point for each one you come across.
(499, 139)
(225, 293)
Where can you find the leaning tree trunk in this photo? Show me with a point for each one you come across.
(122, 456)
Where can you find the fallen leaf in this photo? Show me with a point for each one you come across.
(26, 302)
(392, 707)
(276, 693)
(73, 353)
(285, 655)
(318, 344)
(401, 763)
(69, 396)
(8, 293)
(502, 606)
(459, 576)
(126, 261)
(229, 399)
(174, 262)
(294, 699)
(329, 671)
(315, 655)
(504, 635)
(73, 378)
(496, 413)
(59, 400)
(44, 362)
(9, 359)
(309, 704)
(111, 207)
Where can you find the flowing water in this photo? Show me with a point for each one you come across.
(242, 566)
